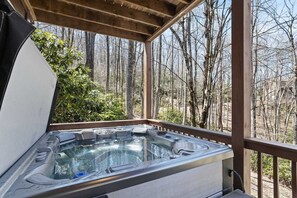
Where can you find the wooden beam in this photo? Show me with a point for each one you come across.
(178, 15)
(176, 2)
(147, 56)
(120, 11)
(65, 21)
(24, 8)
(241, 88)
(185, 1)
(30, 9)
(82, 13)
(155, 7)
(19, 7)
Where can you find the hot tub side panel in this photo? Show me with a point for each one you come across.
(198, 182)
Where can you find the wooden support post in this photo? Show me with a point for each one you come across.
(260, 179)
(275, 178)
(241, 88)
(147, 55)
(294, 179)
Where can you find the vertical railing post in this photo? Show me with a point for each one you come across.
(241, 88)
(294, 179)
(275, 177)
(260, 181)
(147, 90)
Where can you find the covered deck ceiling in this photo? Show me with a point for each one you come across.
(130, 19)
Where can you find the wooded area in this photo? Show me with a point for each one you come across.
(192, 68)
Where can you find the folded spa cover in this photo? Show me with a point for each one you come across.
(27, 88)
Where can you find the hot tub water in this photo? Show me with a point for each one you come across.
(104, 156)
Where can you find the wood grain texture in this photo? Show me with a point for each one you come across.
(197, 132)
(61, 20)
(29, 8)
(146, 20)
(183, 10)
(260, 176)
(24, 9)
(82, 13)
(275, 177)
(241, 87)
(154, 7)
(147, 89)
(294, 179)
(286, 151)
(118, 10)
(83, 125)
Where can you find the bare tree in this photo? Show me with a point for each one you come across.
(172, 76)
(184, 44)
(107, 64)
(129, 80)
(213, 47)
(158, 90)
(286, 21)
(90, 48)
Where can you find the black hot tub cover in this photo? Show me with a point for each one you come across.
(14, 31)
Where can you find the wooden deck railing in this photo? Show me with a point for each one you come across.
(276, 150)
(192, 131)
(84, 125)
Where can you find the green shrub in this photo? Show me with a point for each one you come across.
(174, 116)
(267, 167)
(79, 98)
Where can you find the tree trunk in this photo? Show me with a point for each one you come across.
(157, 99)
(255, 66)
(189, 63)
(208, 64)
(185, 45)
(70, 38)
(122, 72)
(142, 84)
(172, 79)
(107, 64)
(295, 82)
(63, 33)
(90, 50)
(153, 78)
(213, 47)
(118, 67)
(185, 102)
(220, 97)
(129, 80)
(135, 69)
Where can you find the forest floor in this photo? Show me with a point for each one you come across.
(284, 191)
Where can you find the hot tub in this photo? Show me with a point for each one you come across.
(124, 161)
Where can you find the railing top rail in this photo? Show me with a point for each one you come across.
(281, 150)
(82, 125)
(286, 151)
(204, 133)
